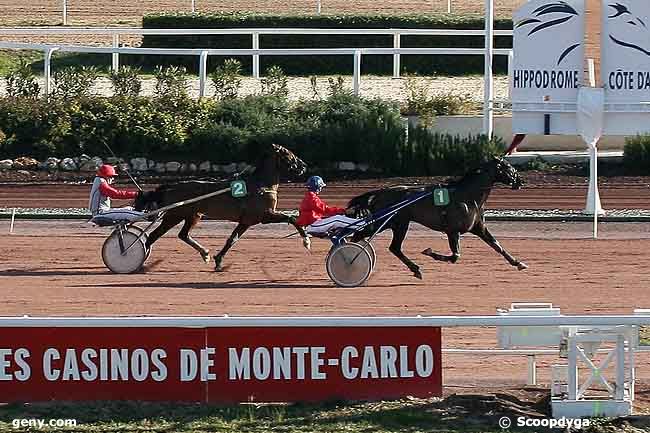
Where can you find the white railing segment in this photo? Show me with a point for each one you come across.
(396, 51)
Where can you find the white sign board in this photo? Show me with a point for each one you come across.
(548, 65)
(625, 70)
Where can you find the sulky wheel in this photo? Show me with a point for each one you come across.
(371, 251)
(128, 261)
(348, 264)
(138, 231)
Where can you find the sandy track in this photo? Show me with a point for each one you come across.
(130, 12)
(54, 268)
(623, 196)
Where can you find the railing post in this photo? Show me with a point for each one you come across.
(318, 7)
(256, 57)
(47, 70)
(65, 12)
(572, 374)
(488, 97)
(193, 6)
(511, 60)
(448, 6)
(396, 57)
(532, 370)
(356, 77)
(203, 72)
(116, 56)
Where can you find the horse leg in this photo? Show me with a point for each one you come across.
(482, 232)
(232, 240)
(184, 235)
(454, 245)
(399, 233)
(165, 225)
(272, 217)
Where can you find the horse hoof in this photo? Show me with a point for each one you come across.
(521, 266)
(427, 252)
(306, 243)
(417, 274)
(206, 258)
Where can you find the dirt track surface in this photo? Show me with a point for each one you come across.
(617, 195)
(54, 268)
(130, 12)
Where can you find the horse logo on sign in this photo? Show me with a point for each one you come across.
(548, 16)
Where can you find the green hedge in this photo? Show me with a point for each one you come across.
(340, 128)
(294, 65)
(636, 153)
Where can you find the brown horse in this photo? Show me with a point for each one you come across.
(258, 207)
(463, 214)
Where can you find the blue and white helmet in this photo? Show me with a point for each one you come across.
(315, 183)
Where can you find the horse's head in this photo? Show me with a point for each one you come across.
(503, 172)
(286, 161)
(148, 201)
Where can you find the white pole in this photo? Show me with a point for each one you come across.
(116, 56)
(620, 367)
(65, 12)
(193, 6)
(396, 57)
(532, 370)
(448, 6)
(203, 72)
(488, 97)
(356, 77)
(47, 72)
(256, 57)
(511, 61)
(13, 217)
(572, 373)
(318, 7)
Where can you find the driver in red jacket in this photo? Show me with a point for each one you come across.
(318, 217)
(102, 192)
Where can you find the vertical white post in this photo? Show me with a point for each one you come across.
(116, 56)
(65, 12)
(572, 376)
(13, 217)
(593, 197)
(396, 57)
(203, 72)
(620, 367)
(511, 60)
(448, 6)
(193, 6)
(356, 76)
(318, 7)
(592, 72)
(532, 370)
(256, 57)
(488, 97)
(47, 71)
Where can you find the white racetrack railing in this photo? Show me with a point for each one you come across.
(396, 51)
(193, 8)
(418, 321)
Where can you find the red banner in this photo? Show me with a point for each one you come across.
(219, 365)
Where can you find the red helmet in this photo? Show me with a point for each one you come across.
(106, 170)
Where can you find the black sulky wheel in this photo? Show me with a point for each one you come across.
(128, 260)
(348, 264)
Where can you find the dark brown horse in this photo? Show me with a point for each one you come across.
(463, 214)
(258, 207)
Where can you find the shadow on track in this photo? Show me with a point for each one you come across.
(227, 285)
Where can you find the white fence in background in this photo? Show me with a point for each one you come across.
(396, 51)
(193, 7)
